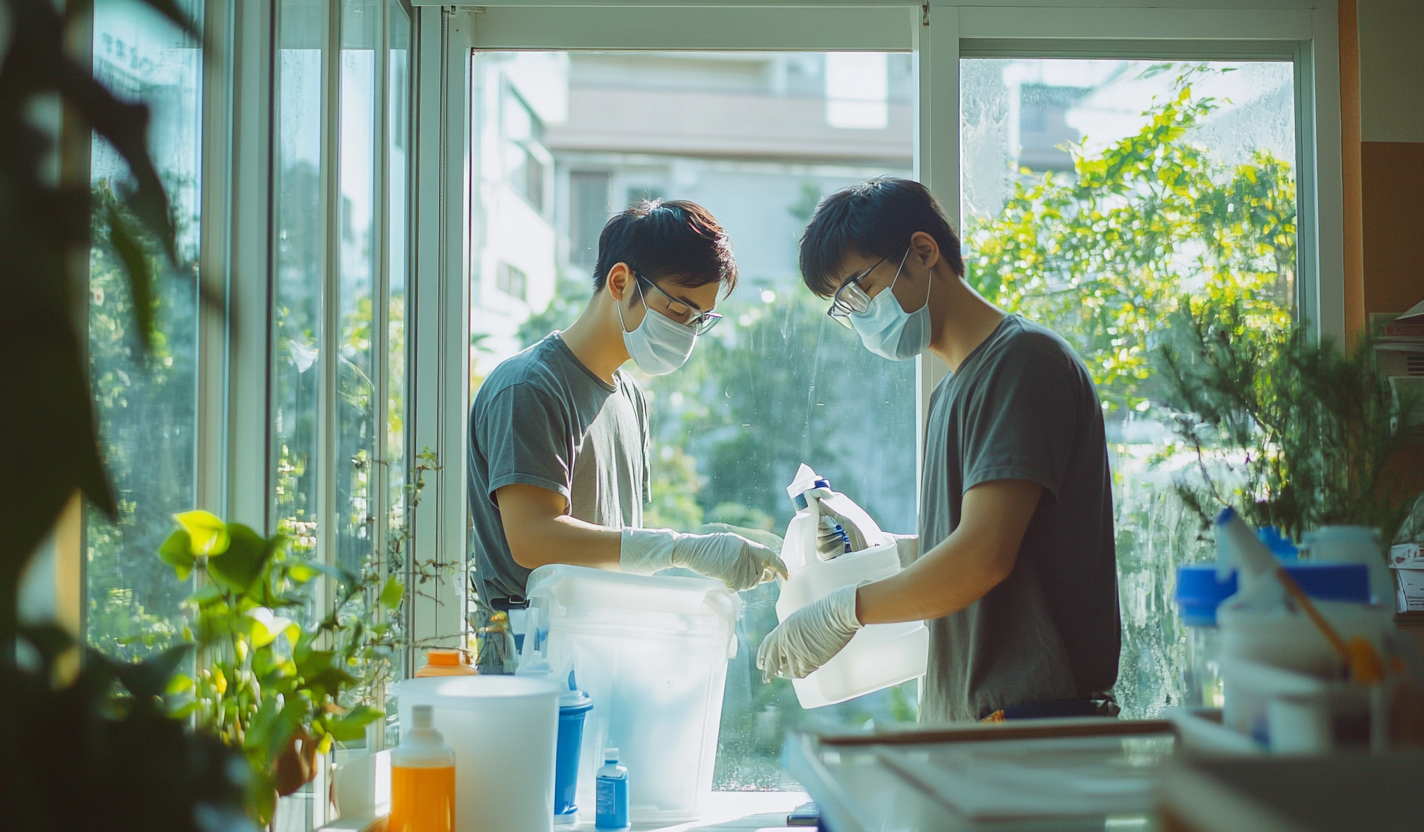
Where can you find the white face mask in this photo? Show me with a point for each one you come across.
(659, 345)
(889, 331)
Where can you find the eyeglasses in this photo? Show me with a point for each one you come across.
(676, 310)
(851, 298)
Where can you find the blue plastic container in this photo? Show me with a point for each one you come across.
(1199, 593)
(574, 705)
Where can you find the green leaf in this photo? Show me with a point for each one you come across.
(48, 639)
(303, 571)
(177, 552)
(266, 626)
(208, 534)
(392, 593)
(242, 563)
(124, 238)
(179, 683)
(149, 679)
(353, 726)
(205, 594)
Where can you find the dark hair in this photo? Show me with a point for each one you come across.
(873, 218)
(677, 240)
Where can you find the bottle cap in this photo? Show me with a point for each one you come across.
(610, 755)
(422, 717)
(443, 658)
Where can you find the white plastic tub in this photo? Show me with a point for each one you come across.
(503, 731)
(652, 651)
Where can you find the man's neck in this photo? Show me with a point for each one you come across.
(596, 338)
(960, 318)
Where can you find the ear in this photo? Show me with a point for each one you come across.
(619, 277)
(924, 251)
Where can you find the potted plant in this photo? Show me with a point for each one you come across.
(1293, 431)
(270, 682)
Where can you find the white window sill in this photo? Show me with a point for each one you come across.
(726, 812)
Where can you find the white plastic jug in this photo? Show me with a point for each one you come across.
(503, 730)
(879, 656)
(652, 651)
(1355, 544)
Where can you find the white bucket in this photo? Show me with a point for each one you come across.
(652, 652)
(503, 730)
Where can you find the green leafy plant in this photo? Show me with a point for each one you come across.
(1293, 431)
(279, 689)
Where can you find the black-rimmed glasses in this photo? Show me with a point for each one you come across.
(851, 298)
(677, 311)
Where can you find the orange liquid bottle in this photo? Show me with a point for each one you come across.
(422, 779)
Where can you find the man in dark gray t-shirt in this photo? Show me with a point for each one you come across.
(544, 419)
(1015, 567)
(558, 454)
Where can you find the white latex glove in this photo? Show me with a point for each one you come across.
(730, 558)
(828, 544)
(812, 636)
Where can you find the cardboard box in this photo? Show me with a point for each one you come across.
(1407, 561)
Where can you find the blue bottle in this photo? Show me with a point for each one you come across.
(611, 794)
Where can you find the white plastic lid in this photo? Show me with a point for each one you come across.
(610, 755)
(422, 717)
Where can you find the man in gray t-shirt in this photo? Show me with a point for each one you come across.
(558, 455)
(544, 419)
(1015, 567)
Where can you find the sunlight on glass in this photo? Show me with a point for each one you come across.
(857, 90)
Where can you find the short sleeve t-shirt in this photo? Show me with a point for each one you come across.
(542, 418)
(1022, 406)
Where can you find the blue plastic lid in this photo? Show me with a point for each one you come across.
(1278, 543)
(800, 499)
(1199, 593)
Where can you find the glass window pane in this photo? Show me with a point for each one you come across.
(146, 405)
(757, 139)
(300, 240)
(1096, 194)
(355, 417)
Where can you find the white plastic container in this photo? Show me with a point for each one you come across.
(879, 656)
(1355, 544)
(503, 731)
(1290, 640)
(652, 651)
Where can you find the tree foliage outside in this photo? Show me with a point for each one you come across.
(148, 419)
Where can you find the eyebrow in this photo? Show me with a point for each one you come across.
(694, 307)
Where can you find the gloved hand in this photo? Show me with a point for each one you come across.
(812, 636)
(830, 544)
(730, 558)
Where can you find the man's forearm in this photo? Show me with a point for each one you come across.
(964, 566)
(564, 539)
(942, 581)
